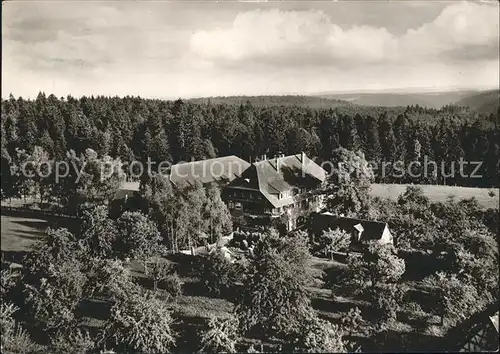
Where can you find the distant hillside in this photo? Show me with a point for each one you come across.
(264, 101)
(480, 101)
(387, 99)
(484, 102)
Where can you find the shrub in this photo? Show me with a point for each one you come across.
(173, 285)
(74, 341)
(252, 349)
(8, 281)
(14, 339)
(352, 321)
(413, 307)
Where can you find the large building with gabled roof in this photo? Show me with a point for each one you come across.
(285, 187)
(220, 170)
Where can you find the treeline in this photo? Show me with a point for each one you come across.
(133, 128)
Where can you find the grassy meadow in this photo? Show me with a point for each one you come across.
(438, 193)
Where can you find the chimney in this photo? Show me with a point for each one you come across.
(360, 230)
(278, 159)
(264, 157)
(302, 157)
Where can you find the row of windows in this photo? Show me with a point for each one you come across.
(250, 207)
(258, 196)
(245, 194)
(291, 193)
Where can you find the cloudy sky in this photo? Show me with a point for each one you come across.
(188, 49)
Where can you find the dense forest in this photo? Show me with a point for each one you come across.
(134, 128)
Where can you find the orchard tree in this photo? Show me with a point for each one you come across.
(25, 179)
(98, 232)
(353, 324)
(386, 300)
(221, 335)
(158, 269)
(334, 241)
(40, 168)
(110, 279)
(217, 273)
(100, 178)
(138, 236)
(275, 298)
(8, 182)
(190, 222)
(54, 281)
(320, 336)
(387, 266)
(141, 323)
(352, 321)
(160, 203)
(458, 299)
(217, 214)
(348, 184)
(377, 265)
(88, 178)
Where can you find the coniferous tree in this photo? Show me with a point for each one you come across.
(388, 147)
(372, 148)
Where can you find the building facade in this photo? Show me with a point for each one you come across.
(282, 190)
(361, 232)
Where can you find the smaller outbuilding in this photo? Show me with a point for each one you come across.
(361, 231)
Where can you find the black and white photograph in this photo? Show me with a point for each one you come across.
(222, 176)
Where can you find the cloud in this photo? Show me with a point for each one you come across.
(291, 37)
(172, 49)
(459, 29)
(311, 38)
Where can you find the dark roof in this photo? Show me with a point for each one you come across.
(219, 170)
(127, 189)
(372, 230)
(281, 174)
